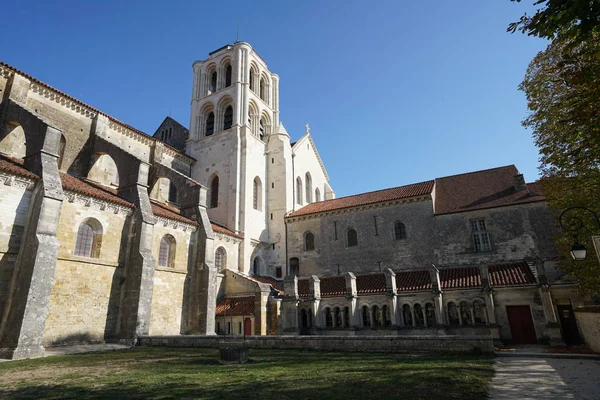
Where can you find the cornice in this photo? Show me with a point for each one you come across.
(177, 225)
(117, 127)
(97, 204)
(63, 100)
(227, 238)
(16, 180)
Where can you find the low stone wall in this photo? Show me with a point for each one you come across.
(382, 344)
(588, 320)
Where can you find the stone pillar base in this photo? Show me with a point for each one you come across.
(19, 353)
(554, 334)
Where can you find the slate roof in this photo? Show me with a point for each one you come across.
(513, 274)
(413, 280)
(235, 306)
(478, 190)
(460, 278)
(397, 193)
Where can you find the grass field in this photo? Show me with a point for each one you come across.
(167, 373)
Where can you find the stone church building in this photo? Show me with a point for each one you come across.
(107, 233)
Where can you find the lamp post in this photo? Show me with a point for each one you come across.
(570, 221)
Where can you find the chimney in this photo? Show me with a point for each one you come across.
(519, 182)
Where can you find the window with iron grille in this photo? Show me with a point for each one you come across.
(85, 240)
(399, 231)
(220, 259)
(163, 253)
(481, 239)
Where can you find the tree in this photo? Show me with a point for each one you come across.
(562, 85)
(574, 18)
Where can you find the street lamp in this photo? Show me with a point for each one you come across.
(571, 222)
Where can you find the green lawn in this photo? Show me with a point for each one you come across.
(166, 373)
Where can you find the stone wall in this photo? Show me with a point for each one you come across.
(515, 232)
(588, 321)
(167, 301)
(381, 344)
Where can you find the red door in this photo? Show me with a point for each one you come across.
(247, 327)
(521, 325)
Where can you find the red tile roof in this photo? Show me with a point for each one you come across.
(397, 193)
(303, 288)
(372, 283)
(333, 286)
(413, 280)
(235, 306)
(221, 229)
(31, 78)
(161, 210)
(15, 166)
(512, 274)
(459, 278)
(477, 190)
(275, 284)
(91, 189)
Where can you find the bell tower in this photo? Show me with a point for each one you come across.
(234, 112)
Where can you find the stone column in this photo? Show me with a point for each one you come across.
(552, 324)
(352, 296)
(24, 316)
(314, 287)
(390, 285)
(289, 306)
(260, 309)
(438, 299)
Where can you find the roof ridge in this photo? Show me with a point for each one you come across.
(125, 125)
(378, 190)
(478, 171)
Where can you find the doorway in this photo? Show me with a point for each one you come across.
(568, 324)
(247, 327)
(521, 325)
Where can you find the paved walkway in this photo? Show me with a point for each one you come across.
(545, 378)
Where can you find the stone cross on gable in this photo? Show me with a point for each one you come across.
(307, 128)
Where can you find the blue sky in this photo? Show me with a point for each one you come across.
(395, 92)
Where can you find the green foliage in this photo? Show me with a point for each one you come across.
(562, 85)
(168, 373)
(572, 18)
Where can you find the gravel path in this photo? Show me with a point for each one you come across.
(545, 378)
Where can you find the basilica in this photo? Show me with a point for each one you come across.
(231, 227)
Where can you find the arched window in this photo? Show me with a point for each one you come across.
(89, 239)
(228, 75)
(263, 89)
(308, 180)
(419, 317)
(261, 129)
(228, 118)
(407, 314)
(328, 318)
(256, 266)
(257, 194)
(317, 194)
(430, 314)
(210, 124)
(253, 78)
(399, 231)
(352, 238)
(309, 241)
(338, 317)
(166, 252)
(61, 151)
(172, 193)
(346, 317)
(366, 316)
(294, 266)
(298, 190)
(221, 259)
(214, 192)
(479, 312)
(213, 82)
(376, 316)
(465, 313)
(387, 318)
(453, 314)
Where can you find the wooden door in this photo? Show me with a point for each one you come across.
(521, 325)
(247, 327)
(568, 324)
